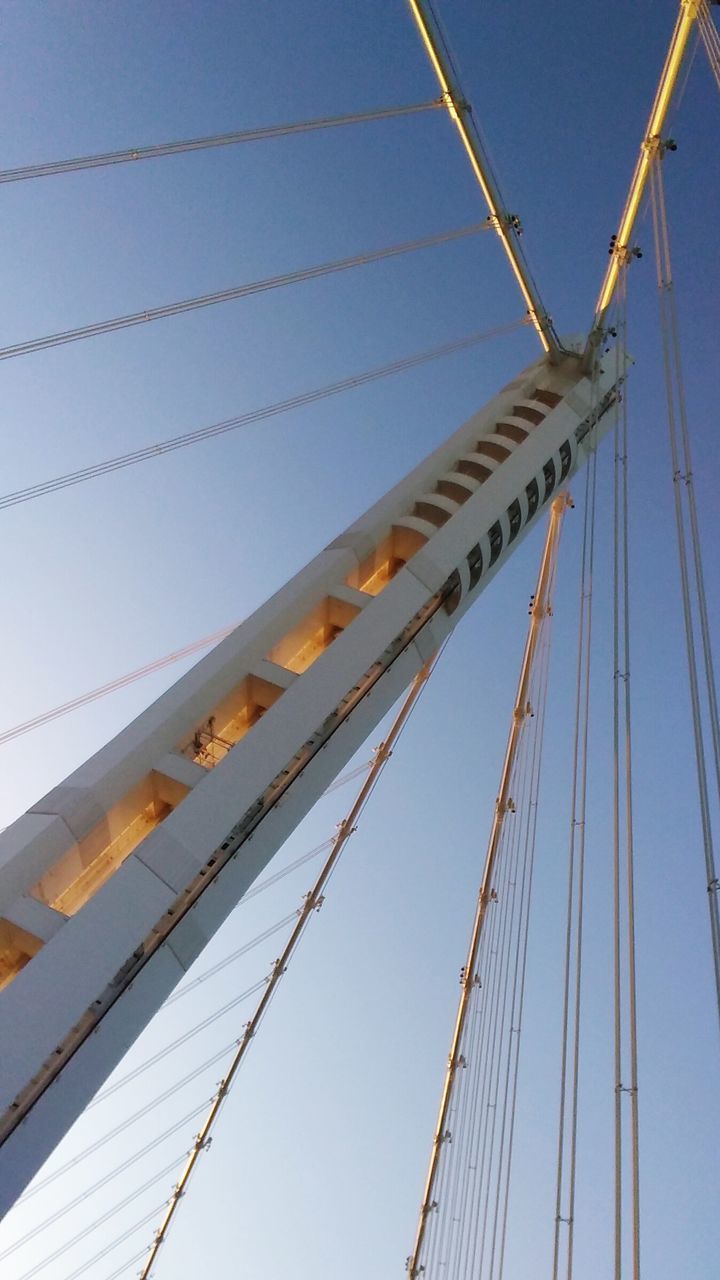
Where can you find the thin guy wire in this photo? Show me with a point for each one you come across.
(312, 903)
(125, 1266)
(108, 1248)
(617, 957)
(150, 314)
(486, 1050)
(708, 849)
(630, 849)
(503, 1002)
(559, 1183)
(85, 1194)
(113, 1133)
(710, 39)
(473, 1041)
(120, 682)
(156, 150)
(509, 1096)
(576, 860)
(489, 1116)
(182, 1039)
(252, 416)
(474, 1050)
(506, 1194)
(581, 881)
(695, 539)
(485, 1064)
(98, 1222)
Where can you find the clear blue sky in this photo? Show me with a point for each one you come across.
(317, 1167)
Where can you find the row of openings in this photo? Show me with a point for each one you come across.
(78, 875)
(493, 450)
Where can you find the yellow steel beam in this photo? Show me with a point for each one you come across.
(459, 113)
(541, 610)
(686, 18)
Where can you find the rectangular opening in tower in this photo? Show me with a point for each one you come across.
(230, 720)
(304, 643)
(376, 570)
(17, 947)
(79, 873)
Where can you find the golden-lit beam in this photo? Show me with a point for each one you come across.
(539, 614)
(686, 18)
(459, 110)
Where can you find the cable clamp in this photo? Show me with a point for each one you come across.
(623, 252)
(714, 886)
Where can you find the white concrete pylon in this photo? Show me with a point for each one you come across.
(103, 883)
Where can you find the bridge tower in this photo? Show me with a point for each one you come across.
(111, 885)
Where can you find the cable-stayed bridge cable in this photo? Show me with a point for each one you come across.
(232, 294)
(188, 438)
(101, 1142)
(311, 904)
(678, 428)
(572, 977)
(463, 1171)
(156, 150)
(98, 1183)
(624, 978)
(710, 38)
(108, 1248)
(105, 1217)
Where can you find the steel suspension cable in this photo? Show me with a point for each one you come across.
(254, 415)
(623, 846)
(675, 397)
(108, 1248)
(456, 1061)
(101, 1220)
(101, 1142)
(156, 150)
(507, 1106)
(620, 296)
(500, 1037)
(462, 1210)
(97, 1184)
(567, 1148)
(688, 475)
(184, 1038)
(120, 682)
(312, 903)
(125, 1266)
(532, 834)
(495, 997)
(232, 294)
(688, 479)
(710, 38)
(580, 907)
(473, 1162)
